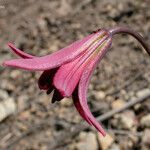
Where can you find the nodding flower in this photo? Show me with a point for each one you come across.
(68, 71)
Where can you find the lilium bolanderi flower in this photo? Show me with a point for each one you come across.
(68, 71)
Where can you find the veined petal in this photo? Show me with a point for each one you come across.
(81, 101)
(46, 78)
(55, 59)
(79, 107)
(61, 75)
(68, 75)
(19, 52)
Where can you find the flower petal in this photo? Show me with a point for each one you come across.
(81, 101)
(61, 75)
(46, 79)
(79, 107)
(55, 59)
(19, 52)
(68, 75)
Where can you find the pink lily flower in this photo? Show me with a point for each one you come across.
(68, 71)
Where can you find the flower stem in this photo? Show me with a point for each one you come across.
(136, 35)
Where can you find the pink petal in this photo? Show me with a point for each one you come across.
(82, 107)
(60, 78)
(45, 80)
(19, 52)
(55, 59)
(68, 75)
(79, 107)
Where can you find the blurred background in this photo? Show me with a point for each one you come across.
(28, 120)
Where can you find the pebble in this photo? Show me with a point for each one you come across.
(54, 47)
(114, 147)
(117, 104)
(7, 107)
(99, 95)
(64, 8)
(24, 115)
(109, 99)
(145, 121)
(14, 74)
(5, 84)
(3, 95)
(143, 92)
(22, 102)
(105, 142)
(66, 102)
(146, 140)
(126, 120)
(87, 141)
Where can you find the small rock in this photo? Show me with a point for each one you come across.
(24, 115)
(22, 102)
(66, 102)
(146, 140)
(109, 99)
(53, 47)
(7, 107)
(126, 120)
(3, 95)
(15, 74)
(143, 92)
(5, 84)
(133, 138)
(105, 142)
(114, 147)
(87, 141)
(117, 104)
(64, 9)
(42, 24)
(145, 121)
(126, 144)
(100, 95)
(127, 95)
(146, 76)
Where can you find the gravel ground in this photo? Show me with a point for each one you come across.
(42, 27)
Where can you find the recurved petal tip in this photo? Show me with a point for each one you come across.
(82, 92)
(19, 52)
(87, 115)
(13, 63)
